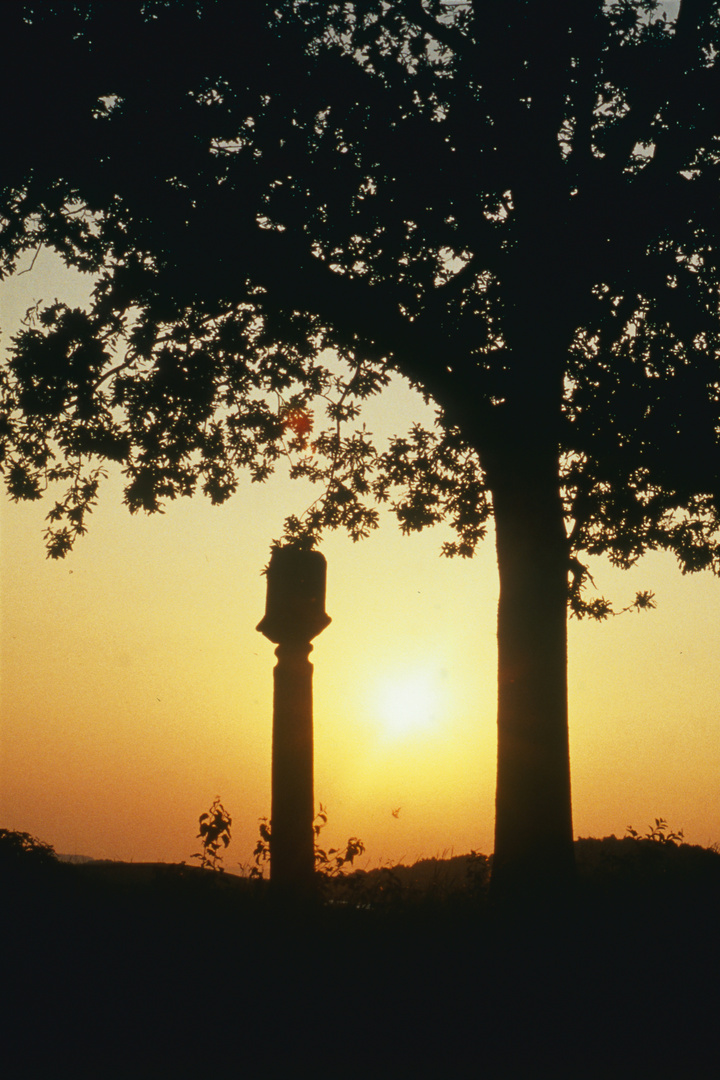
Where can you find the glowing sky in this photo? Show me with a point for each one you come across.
(135, 687)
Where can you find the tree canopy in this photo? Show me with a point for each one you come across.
(453, 193)
(512, 205)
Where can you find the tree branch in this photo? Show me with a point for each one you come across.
(29, 268)
(367, 317)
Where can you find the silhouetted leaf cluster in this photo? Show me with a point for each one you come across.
(261, 851)
(329, 862)
(214, 835)
(659, 833)
(333, 861)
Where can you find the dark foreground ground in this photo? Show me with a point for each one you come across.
(130, 971)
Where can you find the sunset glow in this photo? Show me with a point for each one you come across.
(135, 687)
(408, 707)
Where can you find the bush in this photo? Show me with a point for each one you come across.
(21, 851)
(214, 831)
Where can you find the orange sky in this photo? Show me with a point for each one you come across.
(135, 688)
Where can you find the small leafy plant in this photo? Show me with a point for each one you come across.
(329, 863)
(334, 861)
(214, 835)
(660, 833)
(261, 854)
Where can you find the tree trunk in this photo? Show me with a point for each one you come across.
(533, 824)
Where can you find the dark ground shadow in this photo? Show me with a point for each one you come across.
(136, 971)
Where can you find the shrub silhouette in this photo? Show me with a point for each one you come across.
(659, 833)
(214, 831)
(20, 850)
(329, 863)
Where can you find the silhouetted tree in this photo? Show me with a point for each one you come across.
(513, 205)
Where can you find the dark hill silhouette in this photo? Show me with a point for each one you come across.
(169, 970)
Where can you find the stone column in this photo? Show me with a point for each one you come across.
(295, 613)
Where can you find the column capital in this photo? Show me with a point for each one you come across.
(295, 605)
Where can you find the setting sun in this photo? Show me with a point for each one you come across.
(407, 705)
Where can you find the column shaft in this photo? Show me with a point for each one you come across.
(292, 814)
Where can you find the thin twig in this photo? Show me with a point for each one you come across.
(32, 264)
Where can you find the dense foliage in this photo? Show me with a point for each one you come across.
(20, 850)
(513, 207)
